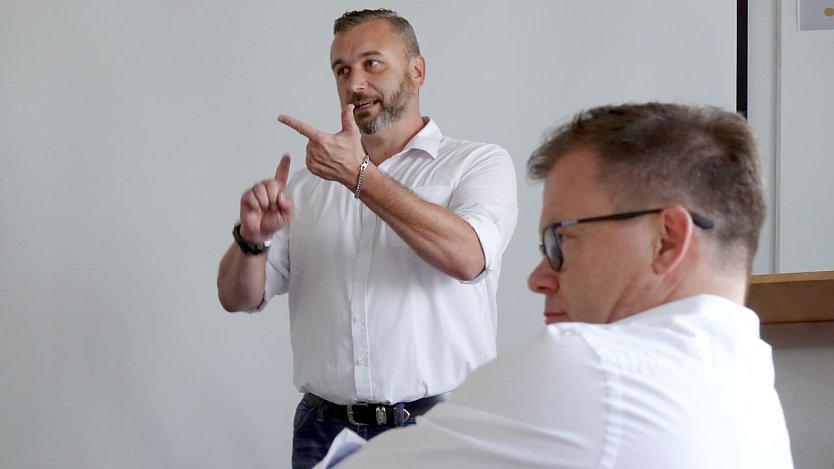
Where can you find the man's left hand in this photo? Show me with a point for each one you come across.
(335, 157)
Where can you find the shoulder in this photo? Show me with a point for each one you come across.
(554, 382)
(463, 149)
(558, 355)
(477, 159)
(457, 146)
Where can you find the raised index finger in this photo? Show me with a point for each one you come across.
(283, 170)
(300, 126)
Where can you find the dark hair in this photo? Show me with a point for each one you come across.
(656, 154)
(400, 24)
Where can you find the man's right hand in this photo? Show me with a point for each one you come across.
(265, 208)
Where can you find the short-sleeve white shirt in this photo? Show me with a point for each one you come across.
(370, 320)
(686, 385)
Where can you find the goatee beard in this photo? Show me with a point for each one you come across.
(391, 109)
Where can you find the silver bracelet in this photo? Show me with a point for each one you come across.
(362, 168)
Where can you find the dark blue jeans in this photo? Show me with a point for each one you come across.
(313, 432)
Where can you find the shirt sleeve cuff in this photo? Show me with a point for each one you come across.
(491, 245)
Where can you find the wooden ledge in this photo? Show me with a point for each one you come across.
(792, 297)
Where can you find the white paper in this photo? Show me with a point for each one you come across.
(346, 443)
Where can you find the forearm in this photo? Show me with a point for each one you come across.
(240, 280)
(437, 235)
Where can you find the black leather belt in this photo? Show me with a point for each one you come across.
(368, 413)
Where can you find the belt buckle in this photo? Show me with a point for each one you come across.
(379, 413)
(350, 413)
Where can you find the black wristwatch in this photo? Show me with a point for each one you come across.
(249, 248)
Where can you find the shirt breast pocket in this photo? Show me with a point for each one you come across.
(438, 195)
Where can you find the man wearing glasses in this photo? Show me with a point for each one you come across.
(650, 220)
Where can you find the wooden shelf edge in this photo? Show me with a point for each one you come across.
(792, 277)
(792, 297)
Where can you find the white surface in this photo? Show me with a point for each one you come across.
(128, 131)
(761, 115)
(806, 151)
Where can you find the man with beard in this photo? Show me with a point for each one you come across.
(389, 244)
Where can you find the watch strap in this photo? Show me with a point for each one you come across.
(249, 248)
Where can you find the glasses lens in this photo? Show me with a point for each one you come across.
(552, 248)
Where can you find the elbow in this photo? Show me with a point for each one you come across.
(469, 269)
(226, 303)
(470, 275)
(227, 307)
(233, 302)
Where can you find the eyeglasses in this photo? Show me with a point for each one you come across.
(551, 246)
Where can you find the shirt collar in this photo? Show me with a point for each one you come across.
(689, 305)
(427, 139)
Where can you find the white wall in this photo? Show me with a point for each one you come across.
(761, 115)
(791, 108)
(129, 129)
(806, 149)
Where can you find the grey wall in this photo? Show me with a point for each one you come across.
(792, 111)
(805, 154)
(129, 129)
(791, 108)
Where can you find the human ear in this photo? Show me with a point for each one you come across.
(417, 70)
(674, 233)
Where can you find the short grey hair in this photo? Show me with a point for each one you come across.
(400, 24)
(651, 154)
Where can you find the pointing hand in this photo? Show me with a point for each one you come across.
(335, 157)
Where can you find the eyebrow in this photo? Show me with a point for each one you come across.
(369, 53)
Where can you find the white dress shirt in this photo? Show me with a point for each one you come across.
(370, 320)
(688, 384)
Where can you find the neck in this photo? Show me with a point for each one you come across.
(391, 140)
(729, 284)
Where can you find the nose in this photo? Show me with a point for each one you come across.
(543, 279)
(357, 81)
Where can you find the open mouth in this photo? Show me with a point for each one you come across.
(365, 104)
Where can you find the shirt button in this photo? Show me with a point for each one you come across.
(360, 362)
